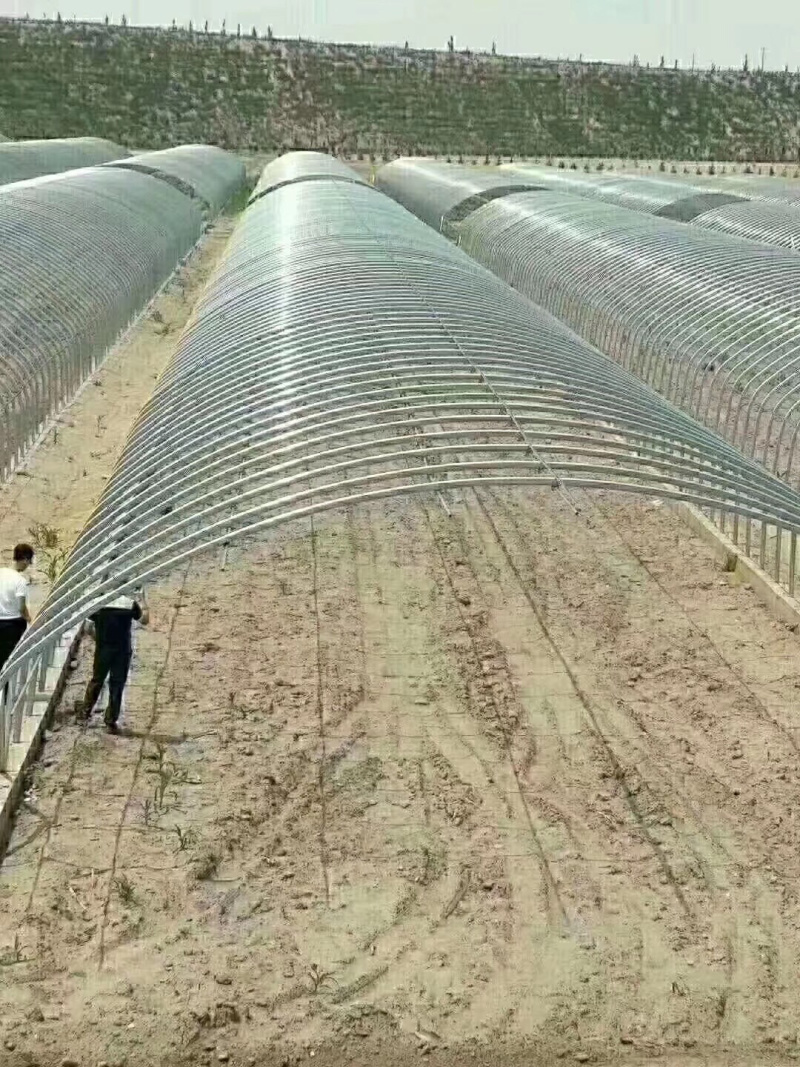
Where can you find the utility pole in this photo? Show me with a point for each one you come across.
(763, 57)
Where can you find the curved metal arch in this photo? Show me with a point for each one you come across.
(765, 221)
(755, 187)
(651, 195)
(303, 166)
(759, 209)
(344, 352)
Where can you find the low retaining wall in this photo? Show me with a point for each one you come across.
(774, 597)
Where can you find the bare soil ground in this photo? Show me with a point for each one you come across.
(498, 788)
(66, 474)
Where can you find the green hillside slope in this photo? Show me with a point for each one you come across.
(152, 88)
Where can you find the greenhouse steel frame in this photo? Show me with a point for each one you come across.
(710, 321)
(342, 353)
(653, 193)
(81, 254)
(645, 193)
(303, 167)
(21, 160)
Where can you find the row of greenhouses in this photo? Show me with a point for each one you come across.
(346, 352)
(82, 252)
(343, 353)
(20, 160)
(766, 210)
(710, 320)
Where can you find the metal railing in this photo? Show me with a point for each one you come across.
(20, 160)
(343, 352)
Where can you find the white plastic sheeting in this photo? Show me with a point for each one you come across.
(211, 174)
(20, 160)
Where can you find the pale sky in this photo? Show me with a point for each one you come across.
(714, 31)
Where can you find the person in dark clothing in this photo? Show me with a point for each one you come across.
(14, 613)
(112, 655)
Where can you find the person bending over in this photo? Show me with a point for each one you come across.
(112, 655)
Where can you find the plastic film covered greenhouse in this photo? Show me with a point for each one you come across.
(82, 253)
(20, 160)
(646, 193)
(711, 321)
(755, 208)
(638, 192)
(303, 166)
(211, 174)
(443, 193)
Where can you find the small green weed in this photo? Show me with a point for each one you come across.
(320, 978)
(124, 889)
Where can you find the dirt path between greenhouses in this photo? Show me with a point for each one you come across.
(499, 788)
(65, 476)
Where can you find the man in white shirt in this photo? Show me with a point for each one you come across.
(14, 613)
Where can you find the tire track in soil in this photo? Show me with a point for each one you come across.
(146, 737)
(411, 906)
(553, 902)
(385, 622)
(304, 772)
(352, 541)
(662, 769)
(752, 966)
(751, 975)
(757, 704)
(662, 764)
(499, 937)
(619, 772)
(320, 706)
(548, 755)
(550, 812)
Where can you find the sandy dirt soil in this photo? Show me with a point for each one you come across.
(66, 474)
(498, 788)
